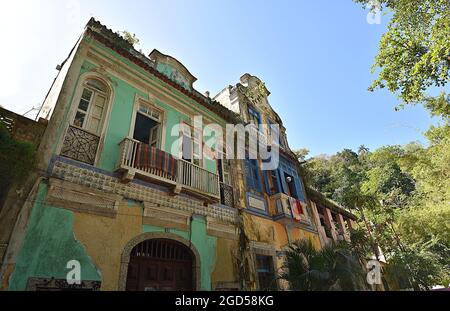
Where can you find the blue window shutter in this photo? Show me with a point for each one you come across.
(280, 188)
(301, 195)
(248, 174)
(257, 180)
(266, 181)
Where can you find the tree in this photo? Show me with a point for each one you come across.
(17, 158)
(129, 37)
(401, 194)
(334, 267)
(414, 53)
(301, 154)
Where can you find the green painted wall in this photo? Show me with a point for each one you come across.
(170, 72)
(151, 79)
(205, 245)
(120, 121)
(48, 245)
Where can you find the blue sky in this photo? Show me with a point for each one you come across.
(314, 57)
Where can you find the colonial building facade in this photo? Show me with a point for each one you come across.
(124, 195)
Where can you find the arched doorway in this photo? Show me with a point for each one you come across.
(160, 264)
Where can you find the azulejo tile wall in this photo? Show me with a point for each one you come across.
(73, 172)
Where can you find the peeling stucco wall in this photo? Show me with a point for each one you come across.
(49, 245)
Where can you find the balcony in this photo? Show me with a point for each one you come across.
(167, 170)
(80, 145)
(226, 195)
(283, 210)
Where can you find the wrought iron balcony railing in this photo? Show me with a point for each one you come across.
(80, 145)
(226, 195)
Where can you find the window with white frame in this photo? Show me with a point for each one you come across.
(192, 145)
(91, 108)
(224, 167)
(148, 125)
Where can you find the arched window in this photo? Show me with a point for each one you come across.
(91, 108)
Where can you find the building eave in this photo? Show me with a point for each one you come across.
(116, 43)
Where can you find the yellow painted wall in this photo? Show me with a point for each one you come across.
(300, 234)
(224, 270)
(266, 231)
(105, 239)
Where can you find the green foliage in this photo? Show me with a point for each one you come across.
(403, 192)
(338, 176)
(414, 53)
(301, 154)
(417, 268)
(129, 37)
(17, 159)
(333, 267)
(360, 243)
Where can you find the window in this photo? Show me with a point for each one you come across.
(92, 107)
(254, 116)
(223, 165)
(265, 271)
(252, 175)
(276, 132)
(271, 179)
(147, 126)
(192, 146)
(290, 183)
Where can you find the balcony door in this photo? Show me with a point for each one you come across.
(83, 134)
(147, 126)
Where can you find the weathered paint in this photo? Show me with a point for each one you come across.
(299, 234)
(154, 81)
(56, 236)
(205, 245)
(267, 231)
(49, 245)
(224, 270)
(171, 72)
(119, 122)
(105, 238)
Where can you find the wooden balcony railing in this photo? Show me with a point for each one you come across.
(128, 160)
(188, 176)
(196, 178)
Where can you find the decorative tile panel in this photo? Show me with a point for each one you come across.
(104, 181)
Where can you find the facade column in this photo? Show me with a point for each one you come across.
(344, 231)
(329, 220)
(320, 229)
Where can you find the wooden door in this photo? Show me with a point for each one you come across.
(160, 264)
